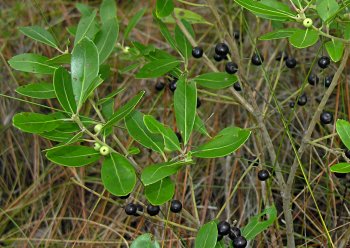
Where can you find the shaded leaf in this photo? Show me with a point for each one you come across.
(215, 80)
(37, 90)
(108, 10)
(87, 27)
(133, 22)
(160, 192)
(106, 39)
(34, 122)
(63, 89)
(164, 7)
(39, 34)
(207, 236)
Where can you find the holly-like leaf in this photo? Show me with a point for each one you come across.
(207, 236)
(37, 90)
(160, 192)
(118, 175)
(33, 63)
(39, 34)
(63, 90)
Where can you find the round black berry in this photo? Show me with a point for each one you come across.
(218, 57)
(302, 100)
(222, 49)
(291, 62)
(239, 242)
(328, 81)
(291, 104)
(282, 55)
(124, 196)
(160, 86)
(237, 86)
(323, 62)
(263, 175)
(347, 153)
(130, 209)
(197, 52)
(153, 210)
(199, 102)
(139, 208)
(175, 206)
(257, 59)
(223, 228)
(234, 233)
(231, 67)
(313, 79)
(326, 118)
(172, 85)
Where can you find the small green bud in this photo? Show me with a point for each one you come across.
(104, 150)
(98, 128)
(307, 22)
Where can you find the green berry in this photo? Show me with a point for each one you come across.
(307, 22)
(104, 150)
(97, 146)
(98, 128)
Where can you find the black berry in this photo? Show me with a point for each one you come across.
(237, 86)
(175, 206)
(263, 175)
(302, 100)
(328, 81)
(223, 228)
(139, 208)
(231, 67)
(218, 57)
(291, 63)
(222, 49)
(347, 153)
(199, 102)
(257, 59)
(234, 233)
(239, 242)
(323, 62)
(291, 104)
(124, 196)
(172, 85)
(313, 79)
(130, 209)
(282, 55)
(153, 210)
(197, 52)
(326, 118)
(160, 86)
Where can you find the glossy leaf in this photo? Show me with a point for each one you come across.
(302, 38)
(118, 175)
(225, 142)
(37, 90)
(62, 59)
(156, 172)
(335, 49)
(157, 68)
(84, 67)
(343, 130)
(160, 192)
(138, 130)
(63, 90)
(144, 241)
(123, 111)
(326, 8)
(33, 63)
(35, 122)
(185, 102)
(183, 45)
(108, 10)
(256, 225)
(278, 34)
(87, 27)
(341, 168)
(164, 8)
(106, 39)
(207, 236)
(73, 156)
(215, 80)
(39, 34)
(133, 22)
(171, 141)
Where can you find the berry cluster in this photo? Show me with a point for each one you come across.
(135, 209)
(234, 233)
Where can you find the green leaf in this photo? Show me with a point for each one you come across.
(220, 244)
(87, 27)
(37, 90)
(343, 130)
(30, 62)
(207, 236)
(326, 8)
(144, 241)
(164, 8)
(265, 10)
(59, 136)
(108, 10)
(84, 67)
(183, 45)
(35, 122)
(62, 59)
(341, 168)
(256, 225)
(73, 156)
(106, 39)
(138, 130)
(118, 175)
(215, 80)
(278, 34)
(185, 102)
(171, 141)
(187, 15)
(165, 32)
(225, 142)
(63, 89)
(302, 38)
(335, 49)
(199, 126)
(110, 96)
(157, 68)
(84, 9)
(160, 192)
(39, 34)
(156, 172)
(123, 111)
(133, 22)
